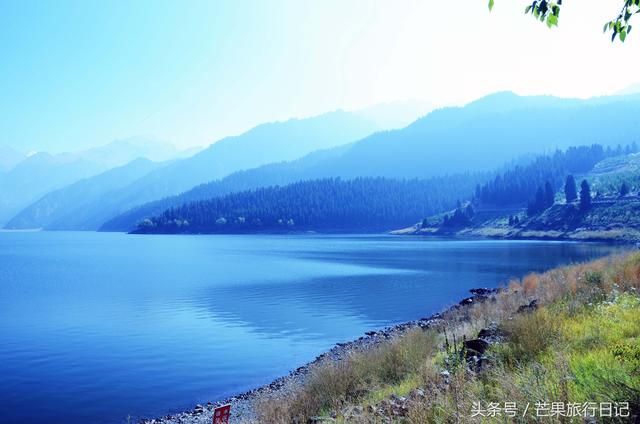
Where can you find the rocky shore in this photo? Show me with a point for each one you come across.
(242, 405)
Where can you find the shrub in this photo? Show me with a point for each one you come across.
(392, 362)
(530, 334)
(530, 284)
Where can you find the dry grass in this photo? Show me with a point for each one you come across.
(333, 384)
(531, 334)
(530, 284)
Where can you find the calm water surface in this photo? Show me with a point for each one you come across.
(95, 327)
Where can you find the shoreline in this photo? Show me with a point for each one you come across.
(242, 404)
(541, 236)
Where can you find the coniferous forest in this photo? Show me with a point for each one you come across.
(535, 183)
(333, 204)
(377, 204)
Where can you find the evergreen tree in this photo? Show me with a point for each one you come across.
(470, 211)
(585, 195)
(549, 195)
(518, 186)
(540, 200)
(570, 191)
(531, 209)
(624, 189)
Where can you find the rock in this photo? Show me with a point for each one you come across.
(397, 398)
(483, 291)
(492, 334)
(475, 346)
(418, 393)
(319, 420)
(467, 301)
(532, 306)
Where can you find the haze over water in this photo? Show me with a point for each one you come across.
(96, 327)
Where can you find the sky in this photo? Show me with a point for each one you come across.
(76, 74)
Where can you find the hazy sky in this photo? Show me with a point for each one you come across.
(80, 73)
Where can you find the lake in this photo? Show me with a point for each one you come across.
(95, 327)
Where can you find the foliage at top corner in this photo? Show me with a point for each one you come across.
(549, 12)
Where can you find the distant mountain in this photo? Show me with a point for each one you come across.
(489, 132)
(395, 115)
(37, 175)
(273, 142)
(9, 158)
(71, 207)
(29, 178)
(267, 143)
(121, 152)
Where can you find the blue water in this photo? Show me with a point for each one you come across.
(96, 327)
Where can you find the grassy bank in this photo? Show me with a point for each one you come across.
(556, 347)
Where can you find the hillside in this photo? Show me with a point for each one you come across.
(37, 175)
(283, 173)
(29, 178)
(362, 204)
(610, 215)
(70, 207)
(483, 135)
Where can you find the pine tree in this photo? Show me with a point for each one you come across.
(624, 189)
(570, 191)
(540, 201)
(585, 195)
(470, 211)
(549, 195)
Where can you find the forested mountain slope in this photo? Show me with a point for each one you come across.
(361, 204)
(566, 195)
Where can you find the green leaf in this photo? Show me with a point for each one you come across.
(552, 20)
(623, 35)
(491, 5)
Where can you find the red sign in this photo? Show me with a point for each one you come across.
(221, 414)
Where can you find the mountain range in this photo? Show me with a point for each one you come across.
(478, 137)
(272, 142)
(28, 178)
